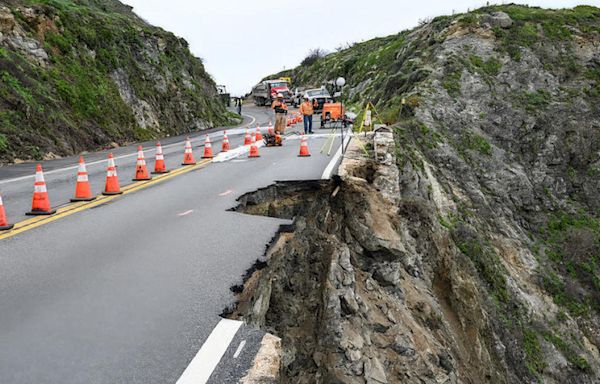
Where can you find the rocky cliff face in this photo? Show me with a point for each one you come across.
(484, 265)
(85, 74)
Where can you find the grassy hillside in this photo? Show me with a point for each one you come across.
(82, 74)
(384, 69)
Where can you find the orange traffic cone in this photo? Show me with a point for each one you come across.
(40, 204)
(208, 154)
(303, 148)
(253, 149)
(159, 161)
(225, 146)
(83, 192)
(112, 180)
(270, 128)
(188, 156)
(247, 138)
(141, 170)
(4, 226)
(258, 133)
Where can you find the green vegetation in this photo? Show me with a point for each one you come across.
(490, 67)
(406, 152)
(452, 83)
(3, 142)
(567, 351)
(572, 246)
(488, 265)
(533, 101)
(533, 352)
(476, 143)
(73, 103)
(594, 75)
(531, 25)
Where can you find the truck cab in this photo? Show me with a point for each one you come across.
(319, 97)
(266, 91)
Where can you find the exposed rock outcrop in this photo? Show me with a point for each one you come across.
(369, 289)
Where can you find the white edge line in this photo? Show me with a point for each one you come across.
(235, 153)
(209, 356)
(250, 123)
(71, 167)
(329, 169)
(239, 349)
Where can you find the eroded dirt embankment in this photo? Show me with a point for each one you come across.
(345, 288)
(368, 287)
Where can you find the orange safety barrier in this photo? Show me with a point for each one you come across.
(40, 204)
(159, 160)
(208, 153)
(188, 155)
(253, 149)
(4, 225)
(225, 146)
(258, 135)
(247, 138)
(304, 147)
(112, 180)
(83, 192)
(141, 170)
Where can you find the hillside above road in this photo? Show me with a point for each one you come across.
(87, 74)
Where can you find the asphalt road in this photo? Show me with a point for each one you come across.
(128, 291)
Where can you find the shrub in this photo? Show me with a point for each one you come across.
(477, 143)
(488, 265)
(490, 67)
(452, 83)
(313, 56)
(3, 142)
(532, 101)
(533, 352)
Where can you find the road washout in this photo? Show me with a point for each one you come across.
(346, 286)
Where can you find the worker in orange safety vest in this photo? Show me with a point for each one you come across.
(281, 110)
(307, 111)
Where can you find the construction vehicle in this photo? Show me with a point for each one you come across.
(332, 113)
(223, 95)
(265, 92)
(318, 97)
(272, 140)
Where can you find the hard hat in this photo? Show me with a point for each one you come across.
(279, 95)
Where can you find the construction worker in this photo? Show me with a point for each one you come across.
(307, 111)
(238, 105)
(281, 110)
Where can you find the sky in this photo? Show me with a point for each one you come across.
(242, 41)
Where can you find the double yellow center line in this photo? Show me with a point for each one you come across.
(72, 208)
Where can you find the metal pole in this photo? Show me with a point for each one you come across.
(342, 117)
